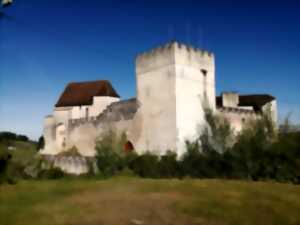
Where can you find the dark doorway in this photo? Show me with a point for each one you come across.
(128, 147)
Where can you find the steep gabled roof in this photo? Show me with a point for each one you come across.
(82, 93)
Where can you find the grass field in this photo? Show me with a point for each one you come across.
(120, 201)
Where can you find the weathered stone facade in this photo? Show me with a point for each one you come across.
(174, 84)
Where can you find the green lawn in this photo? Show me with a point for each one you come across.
(120, 201)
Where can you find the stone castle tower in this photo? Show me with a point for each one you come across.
(174, 83)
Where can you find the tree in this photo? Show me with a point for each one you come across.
(4, 160)
(6, 3)
(41, 143)
(22, 138)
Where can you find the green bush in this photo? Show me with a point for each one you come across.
(258, 153)
(108, 161)
(126, 172)
(201, 164)
(146, 165)
(111, 157)
(169, 166)
(5, 157)
(52, 174)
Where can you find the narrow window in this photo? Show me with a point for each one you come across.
(63, 145)
(204, 73)
(86, 112)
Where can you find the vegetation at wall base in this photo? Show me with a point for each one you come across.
(259, 152)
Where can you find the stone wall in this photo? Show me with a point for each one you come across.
(271, 108)
(230, 99)
(174, 85)
(238, 117)
(71, 164)
(118, 117)
(174, 82)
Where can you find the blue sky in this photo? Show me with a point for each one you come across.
(46, 44)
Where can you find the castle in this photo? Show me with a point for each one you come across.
(173, 82)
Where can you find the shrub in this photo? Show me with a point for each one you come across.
(201, 164)
(218, 135)
(53, 173)
(169, 166)
(112, 141)
(257, 153)
(5, 157)
(146, 165)
(108, 161)
(126, 172)
(110, 154)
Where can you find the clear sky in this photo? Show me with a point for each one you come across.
(44, 44)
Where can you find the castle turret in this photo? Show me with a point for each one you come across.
(174, 83)
(49, 135)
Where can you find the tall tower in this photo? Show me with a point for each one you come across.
(174, 84)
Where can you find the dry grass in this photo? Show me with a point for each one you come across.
(125, 201)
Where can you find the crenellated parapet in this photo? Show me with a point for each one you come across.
(115, 112)
(169, 47)
(239, 111)
(172, 53)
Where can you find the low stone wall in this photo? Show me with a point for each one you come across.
(71, 164)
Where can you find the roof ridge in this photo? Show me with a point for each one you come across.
(88, 81)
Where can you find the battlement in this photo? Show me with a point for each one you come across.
(117, 111)
(174, 45)
(171, 53)
(238, 111)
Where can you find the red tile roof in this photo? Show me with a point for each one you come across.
(82, 93)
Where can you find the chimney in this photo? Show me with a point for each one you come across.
(230, 99)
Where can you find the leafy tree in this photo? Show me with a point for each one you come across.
(22, 138)
(7, 136)
(41, 143)
(4, 160)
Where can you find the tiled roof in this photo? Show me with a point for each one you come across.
(82, 93)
